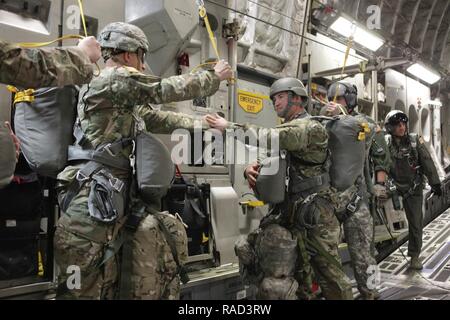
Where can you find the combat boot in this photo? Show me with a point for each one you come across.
(415, 263)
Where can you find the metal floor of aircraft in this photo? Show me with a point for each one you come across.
(398, 282)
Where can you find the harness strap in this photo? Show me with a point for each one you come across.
(310, 184)
(82, 177)
(108, 154)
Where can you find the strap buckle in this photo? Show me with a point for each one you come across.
(319, 180)
(288, 177)
(132, 157)
(392, 187)
(107, 149)
(81, 177)
(353, 205)
(116, 184)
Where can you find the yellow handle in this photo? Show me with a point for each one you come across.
(365, 129)
(253, 203)
(21, 96)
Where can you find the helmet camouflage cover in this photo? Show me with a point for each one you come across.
(123, 36)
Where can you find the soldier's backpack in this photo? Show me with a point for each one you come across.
(346, 144)
(43, 121)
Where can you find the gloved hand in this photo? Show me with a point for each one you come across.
(380, 192)
(437, 189)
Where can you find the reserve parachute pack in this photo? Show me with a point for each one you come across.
(43, 121)
(155, 169)
(346, 144)
(270, 186)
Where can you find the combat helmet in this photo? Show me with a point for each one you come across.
(346, 90)
(293, 85)
(123, 36)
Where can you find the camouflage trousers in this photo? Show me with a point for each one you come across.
(325, 260)
(89, 267)
(80, 245)
(358, 230)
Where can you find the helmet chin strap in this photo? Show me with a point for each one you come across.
(287, 108)
(348, 107)
(303, 104)
(290, 104)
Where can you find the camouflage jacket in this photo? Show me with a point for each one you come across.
(107, 104)
(406, 160)
(45, 67)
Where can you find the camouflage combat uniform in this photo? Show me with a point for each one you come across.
(105, 115)
(45, 67)
(306, 142)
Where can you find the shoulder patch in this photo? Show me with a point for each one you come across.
(421, 141)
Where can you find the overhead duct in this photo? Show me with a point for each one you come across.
(167, 25)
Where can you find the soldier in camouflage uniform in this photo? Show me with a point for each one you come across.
(88, 232)
(411, 163)
(305, 220)
(354, 210)
(35, 68)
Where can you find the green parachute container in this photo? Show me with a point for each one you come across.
(346, 143)
(44, 126)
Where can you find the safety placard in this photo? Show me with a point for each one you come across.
(251, 102)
